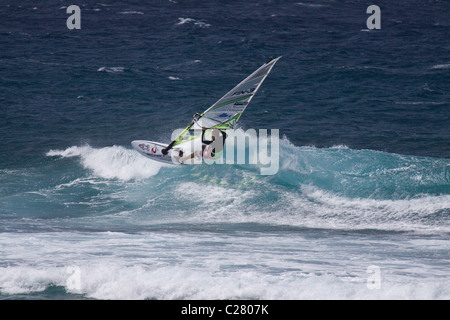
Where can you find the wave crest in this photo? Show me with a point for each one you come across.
(114, 162)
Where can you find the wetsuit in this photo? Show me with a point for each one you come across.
(206, 142)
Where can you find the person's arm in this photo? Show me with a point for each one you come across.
(166, 149)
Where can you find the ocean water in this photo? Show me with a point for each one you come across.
(360, 205)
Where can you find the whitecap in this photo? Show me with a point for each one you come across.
(131, 12)
(441, 66)
(198, 23)
(310, 5)
(114, 162)
(111, 69)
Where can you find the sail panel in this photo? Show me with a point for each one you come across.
(226, 111)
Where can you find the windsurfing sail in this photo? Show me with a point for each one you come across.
(227, 110)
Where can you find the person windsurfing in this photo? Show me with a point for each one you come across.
(222, 115)
(207, 149)
(216, 134)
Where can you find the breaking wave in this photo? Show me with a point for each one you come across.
(336, 188)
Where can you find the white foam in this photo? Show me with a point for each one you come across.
(74, 151)
(111, 69)
(441, 66)
(327, 210)
(103, 281)
(339, 146)
(114, 265)
(310, 5)
(24, 279)
(214, 200)
(198, 23)
(421, 206)
(131, 12)
(111, 162)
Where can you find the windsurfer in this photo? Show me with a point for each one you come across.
(207, 148)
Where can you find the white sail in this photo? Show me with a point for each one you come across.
(227, 110)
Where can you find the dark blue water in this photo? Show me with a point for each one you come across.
(364, 177)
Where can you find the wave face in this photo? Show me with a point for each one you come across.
(333, 188)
